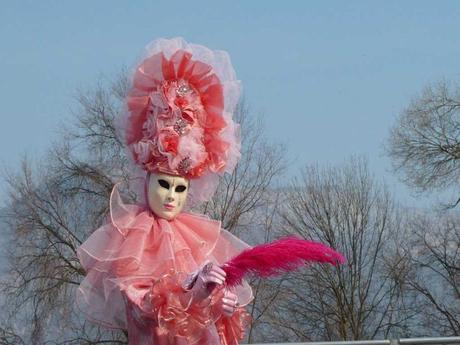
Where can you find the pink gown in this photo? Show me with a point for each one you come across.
(137, 265)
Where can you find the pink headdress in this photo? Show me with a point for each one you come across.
(179, 113)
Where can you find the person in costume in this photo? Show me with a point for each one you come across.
(153, 269)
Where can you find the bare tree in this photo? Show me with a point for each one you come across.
(248, 187)
(55, 204)
(434, 251)
(346, 209)
(424, 143)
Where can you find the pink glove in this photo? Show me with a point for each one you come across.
(229, 303)
(202, 283)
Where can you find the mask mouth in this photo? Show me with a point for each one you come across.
(169, 207)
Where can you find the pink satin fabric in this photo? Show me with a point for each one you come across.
(136, 265)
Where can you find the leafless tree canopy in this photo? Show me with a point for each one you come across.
(345, 208)
(424, 143)
(434, 252)
(54, 204)
(247, 188)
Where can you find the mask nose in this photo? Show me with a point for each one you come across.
(170, 195)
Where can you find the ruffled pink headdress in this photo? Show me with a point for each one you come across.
(178, 117)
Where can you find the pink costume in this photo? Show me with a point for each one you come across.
(138, 265)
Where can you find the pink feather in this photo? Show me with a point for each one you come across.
(273, 258)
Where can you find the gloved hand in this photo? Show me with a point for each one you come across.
(229, 303)
(202, 283)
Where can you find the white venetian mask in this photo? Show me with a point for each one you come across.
(167, 195)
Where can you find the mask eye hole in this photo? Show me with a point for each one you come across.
(163, 183)
(180, 189)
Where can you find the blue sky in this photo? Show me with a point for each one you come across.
(329, 77)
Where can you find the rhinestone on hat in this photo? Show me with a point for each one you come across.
(183, 90)
(180, 126)
(184, 165)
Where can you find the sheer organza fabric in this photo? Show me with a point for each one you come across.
(136, 265)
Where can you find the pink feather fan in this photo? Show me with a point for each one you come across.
(285, 254)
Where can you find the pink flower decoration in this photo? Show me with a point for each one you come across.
(168, 141)
(176, 106)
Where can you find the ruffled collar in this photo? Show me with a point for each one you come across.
(156, 245)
